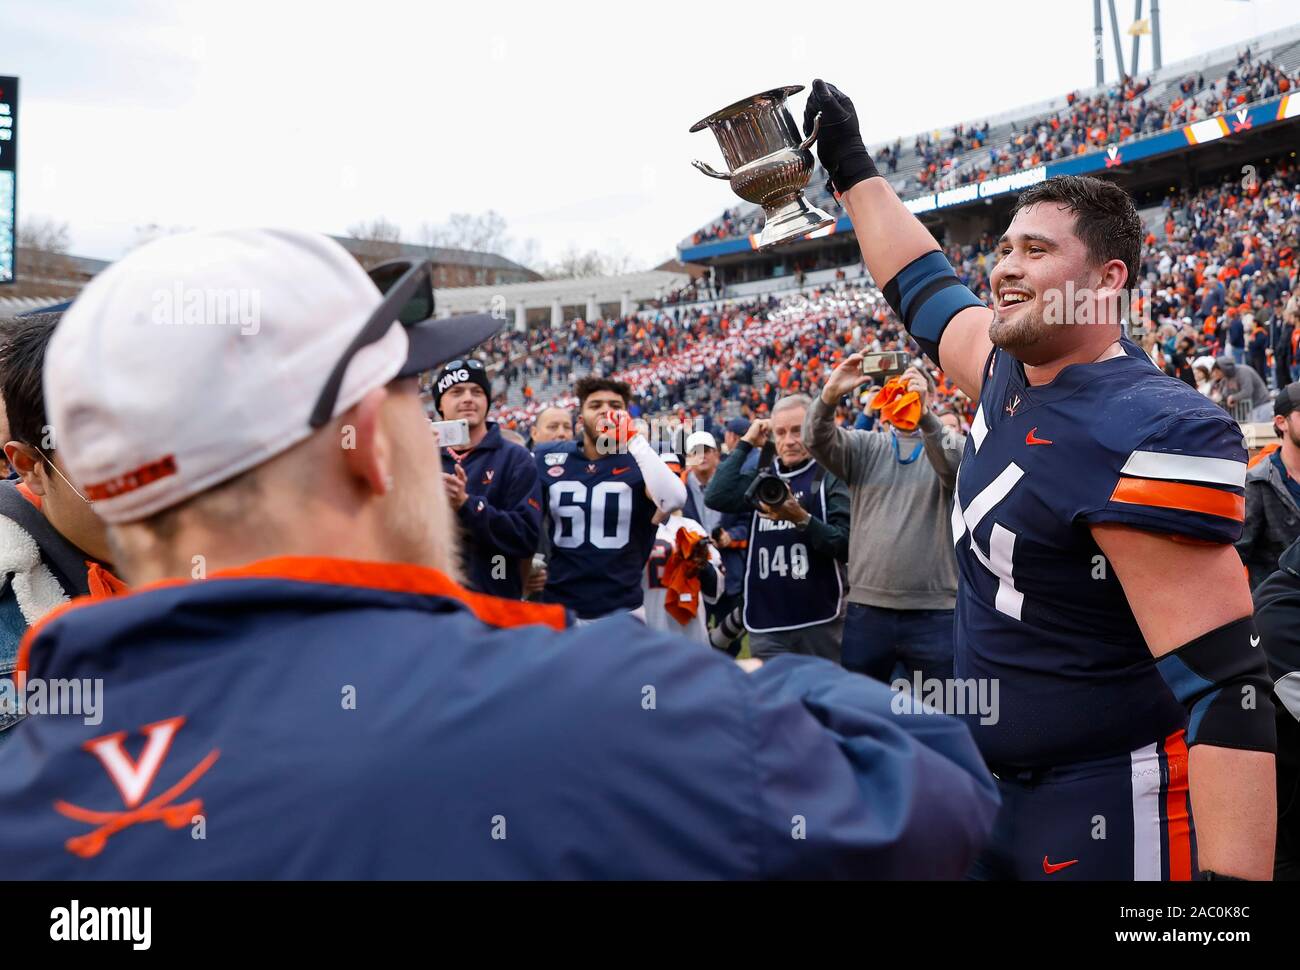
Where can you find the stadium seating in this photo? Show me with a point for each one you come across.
(738, 356)
(939, 160)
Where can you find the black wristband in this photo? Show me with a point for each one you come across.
(1208, 875)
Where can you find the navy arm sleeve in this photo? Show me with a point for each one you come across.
(726, 490)
(883, 790)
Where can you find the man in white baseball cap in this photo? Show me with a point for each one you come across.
(329, 702)
(701, 461)
(199, 376)
(729, 531)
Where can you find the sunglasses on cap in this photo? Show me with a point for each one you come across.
(407, 286)
(472, 363)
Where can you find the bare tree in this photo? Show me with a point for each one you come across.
(526, 253)
(576, 264)
(619, 261)
(42, 250)
(44, 234)
(381, 240)
(482, 233)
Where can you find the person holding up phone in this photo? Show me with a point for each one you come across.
(902, 569)
(492, 485)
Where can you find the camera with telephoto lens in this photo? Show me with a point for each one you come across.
(768, 488)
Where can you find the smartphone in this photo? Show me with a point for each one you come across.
(889, 364)
(451, 434)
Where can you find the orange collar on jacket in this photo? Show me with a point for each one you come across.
(389, 576)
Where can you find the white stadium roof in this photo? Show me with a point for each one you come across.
(635, 287)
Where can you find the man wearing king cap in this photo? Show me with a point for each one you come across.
(330, 702)
(492, 485)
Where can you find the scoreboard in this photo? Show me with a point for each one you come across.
(8, 176)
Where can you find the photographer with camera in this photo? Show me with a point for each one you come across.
(798, 537)
(902, 569)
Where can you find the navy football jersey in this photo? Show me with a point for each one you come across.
(598, 519)
(1038, 607)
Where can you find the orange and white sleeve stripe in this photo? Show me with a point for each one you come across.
(1186, 483)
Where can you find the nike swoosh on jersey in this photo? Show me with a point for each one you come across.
(1032, 439)
(1051, 867)
(620, 471)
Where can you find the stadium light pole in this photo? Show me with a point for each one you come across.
(1096, 42)
(1114, 30)
(1133, 61)
(1155, 32)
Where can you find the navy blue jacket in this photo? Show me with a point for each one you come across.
(502, 518)
(1236, 333)
(334, 719)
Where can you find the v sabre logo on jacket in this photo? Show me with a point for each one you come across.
(505, 681)
(133, 779)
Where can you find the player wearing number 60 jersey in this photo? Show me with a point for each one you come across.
(1096, 507)
(599, 495)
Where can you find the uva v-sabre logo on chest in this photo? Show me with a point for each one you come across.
(133, 779)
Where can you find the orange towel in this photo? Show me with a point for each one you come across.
(681, 576)
(102, 583)
(1264, 454)
(897, 405)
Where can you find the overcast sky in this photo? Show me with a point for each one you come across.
(570, 119)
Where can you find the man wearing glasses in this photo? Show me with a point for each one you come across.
(52, 545)
(332, 703)
(492, 485)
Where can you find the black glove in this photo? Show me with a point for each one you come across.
(839, 143)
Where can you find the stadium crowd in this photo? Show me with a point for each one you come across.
(1218, 266)
(744, 476)
(341, 538)
(1110, 117)
(1125, 109)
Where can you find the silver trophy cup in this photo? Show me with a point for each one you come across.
(769, 161)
